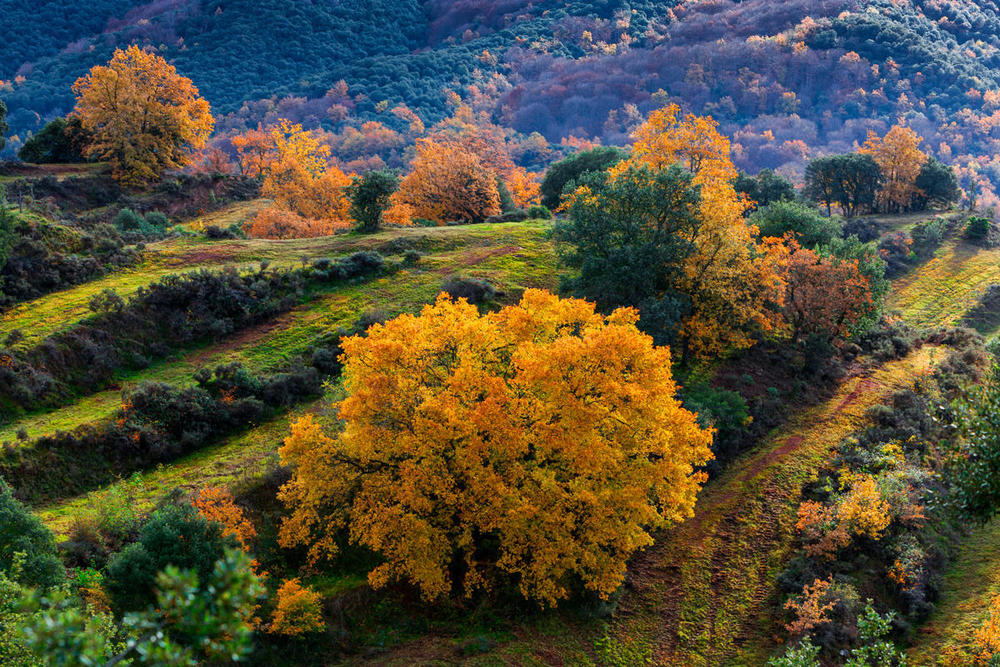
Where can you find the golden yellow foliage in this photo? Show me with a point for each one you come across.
(898, 156)
(297, 610)
(545, 426)
(449, 182)
(863, 511)
(143, 117)
(525, 188)
(987, 636)
(735, 282)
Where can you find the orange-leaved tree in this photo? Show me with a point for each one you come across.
(543, 441)
(899, 157)
(297, 175)
(217, 504)
(141, 115)
(308, 193)
(449, 182)
(824, 295)
(733, 280)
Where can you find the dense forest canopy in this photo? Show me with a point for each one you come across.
(788, 81)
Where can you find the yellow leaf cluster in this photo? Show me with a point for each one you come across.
(546, 427)
(899, 157)
(987, 636)
(144, 118)
(735, 281)
(296, 611)
(863, 511)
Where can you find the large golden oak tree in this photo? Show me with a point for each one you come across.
(143, 116)
(543, 441)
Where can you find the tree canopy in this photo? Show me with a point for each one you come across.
(543, 441)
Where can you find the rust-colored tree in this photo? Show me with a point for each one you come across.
(141, 115)
(543, 441)
(900, 159)
(448, 183)
(824, 295)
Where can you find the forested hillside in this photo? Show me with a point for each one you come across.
(787, 80)
(524, 333)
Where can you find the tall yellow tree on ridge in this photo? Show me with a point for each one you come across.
(734, 280)
(143, 116)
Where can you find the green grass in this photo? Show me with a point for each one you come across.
(970, 584)
(943, 289)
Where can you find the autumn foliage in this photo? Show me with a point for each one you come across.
(900, 159)
(142, 116)
(543, 441)
(297, 610)
(217, 504)
(734, 281)
(308, 192)
(823, 295)
(449, 182)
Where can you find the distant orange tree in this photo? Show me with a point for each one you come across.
(543, 441)
(900, 159)
(141, 115)
(448, 182)
(309, 193)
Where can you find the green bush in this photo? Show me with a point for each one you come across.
(21, 532)
(809, 226)
(176, 535)
(539, 213)
(977, 229)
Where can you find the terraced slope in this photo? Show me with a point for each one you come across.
(511, 257)
(948, 639)
(946, 287)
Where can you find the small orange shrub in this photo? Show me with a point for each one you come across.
(279, 223)
(297, 611)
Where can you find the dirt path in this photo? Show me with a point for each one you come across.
(705, 594)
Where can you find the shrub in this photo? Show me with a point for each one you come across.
(21, 532)
(297, 610)
(978, 230)
(808, 225)
(175, 535)
(472, 290)
(864, 229)
(540, 213)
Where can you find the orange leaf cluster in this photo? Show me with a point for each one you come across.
(449, 182)
(278, 223)
(307, 190)
(217, 504)
(810, 608)
(143, 117)
(546, 425)
(898, 156)
(297, 610)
